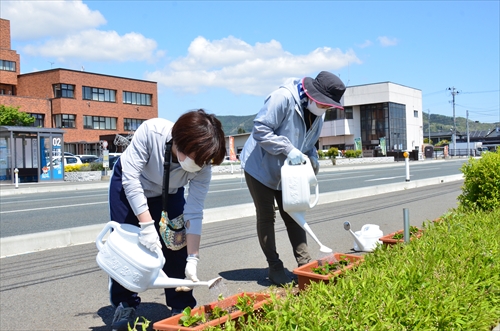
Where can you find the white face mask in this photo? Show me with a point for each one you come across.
(189, 165)
(313, 108)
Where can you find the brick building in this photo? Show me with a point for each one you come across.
(89, 107)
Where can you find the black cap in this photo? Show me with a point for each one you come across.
(325, 89)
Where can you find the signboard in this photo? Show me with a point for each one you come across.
(357, 144)
(383, 147)
(105, 158)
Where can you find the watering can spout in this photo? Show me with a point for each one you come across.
(300, 218)
(163, 281)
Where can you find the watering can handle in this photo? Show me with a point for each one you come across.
(107, 227)
(315, 202)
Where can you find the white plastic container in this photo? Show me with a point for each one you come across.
(125, 259)
(296, 183)
(132, 265)
(366, 240)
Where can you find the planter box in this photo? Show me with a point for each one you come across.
(305, 274)
(387, 240)
(172, 323)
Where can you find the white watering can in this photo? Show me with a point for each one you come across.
(296, 183)
(133, 265)
(365, 240)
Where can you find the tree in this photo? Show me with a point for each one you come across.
(11, 116)
(241, 130)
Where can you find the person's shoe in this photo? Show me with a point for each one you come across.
(279, 277)
(123, 316)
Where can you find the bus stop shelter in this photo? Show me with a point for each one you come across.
(36, 153)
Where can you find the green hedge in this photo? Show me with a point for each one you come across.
(481, 189)
(449, 279)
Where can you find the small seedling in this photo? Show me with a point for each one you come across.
(144, 324)
(413, 231)
(245, 304)
(330, 267)
(218, 312)
(188, 320)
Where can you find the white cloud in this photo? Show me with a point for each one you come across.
(235, 65)
(387, 41)
(95, 45)
(366, 43)
(31, 20)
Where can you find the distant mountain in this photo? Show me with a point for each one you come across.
(236, 124)
(439, 123)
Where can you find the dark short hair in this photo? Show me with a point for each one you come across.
(201, 134)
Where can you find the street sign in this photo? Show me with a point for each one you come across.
(105, 158)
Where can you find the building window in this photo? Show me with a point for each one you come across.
(331, 115)
(7, 65)
(134, 98)
(64, 91)
(98, 94)
(64, 121)
(38, 120)
(131, 124)
(99, 123)
(348, 113)
(415, 113)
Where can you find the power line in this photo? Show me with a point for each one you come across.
(481, 92)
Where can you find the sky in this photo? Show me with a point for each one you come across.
(227, 56)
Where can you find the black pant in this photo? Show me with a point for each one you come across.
(175, 261)
(263, 199)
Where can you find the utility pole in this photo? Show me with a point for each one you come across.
(453, 93)
(429, 112)
(468, 139)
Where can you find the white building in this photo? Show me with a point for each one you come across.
(373, 111)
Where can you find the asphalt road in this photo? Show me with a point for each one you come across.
(63, 289)
(39, 212)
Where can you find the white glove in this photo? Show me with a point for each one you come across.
(192, 263)
(190, 271)
(314, 164)
(296, 156)
(148, 236)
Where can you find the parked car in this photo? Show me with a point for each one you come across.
(68, 160)
(87, 158)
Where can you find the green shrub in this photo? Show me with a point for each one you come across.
(481, 189)
(449, 279)
(96, 166)
(321, 154)
(353, 153)
(93, 166)
(333, 152)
